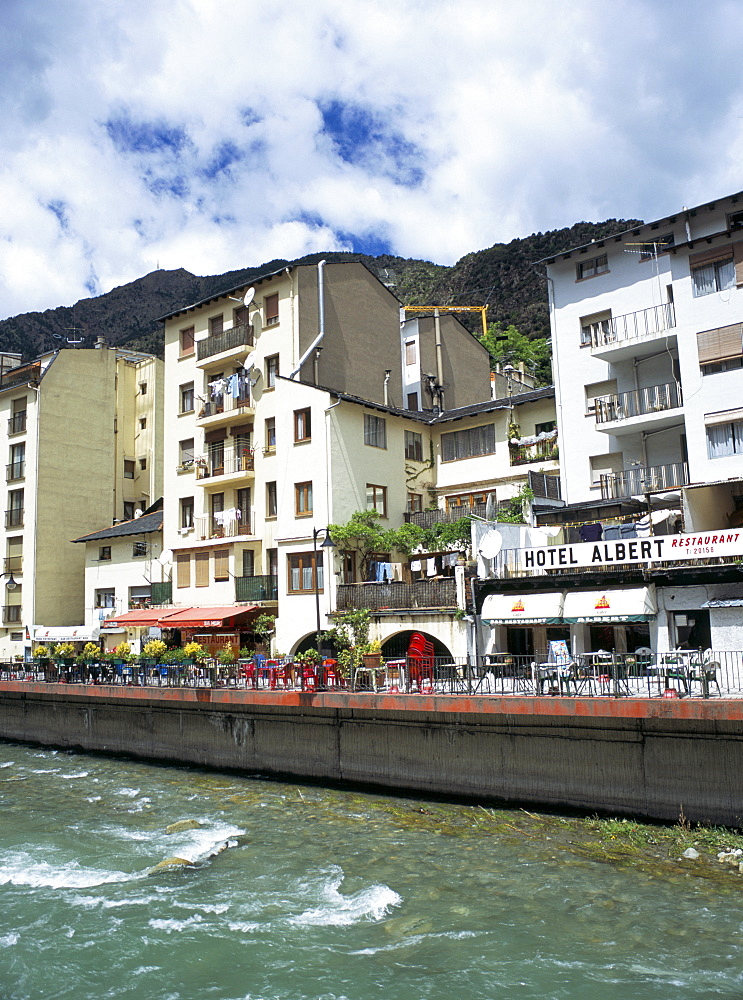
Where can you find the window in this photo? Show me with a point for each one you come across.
(590, 268)
(221, 564)
(143, 388)
(595, 390)
(248, 562)
(129, 508)
(415, 502)
(183, 569)
(302, 499)
(216, 325)
(201, 569)
(302, 425)
(14, 513)
(735, 220)
(348, 566)
(272, 505)
(468, 443)
(605, 465)
(413, 446)
(242, 503)
(186, 453)
(17, 423)
(650, 248)
(412, 400)
(545, 428)
(143, 423)
(241, 319)
(130, 467)
(271, 434)
(596, 330)
(271, 309)
(376, 499)
(143, 464)
(720, 349)
(272, 562)
(375, 431)
(467, 500)
(217, 509)
(104, 553)
(187, 342)
(17, 467)
(715, 277)
(411, 355)
(139, 549)
(724, 436)
(105, 598)
(302, 577)
(272, 370)
(186, 518)
(186, 393)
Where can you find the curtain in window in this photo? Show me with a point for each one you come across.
(725, 439)
(704, 280)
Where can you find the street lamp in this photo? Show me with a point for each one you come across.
(327, 543)
(11, 584)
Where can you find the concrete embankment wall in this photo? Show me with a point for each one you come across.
(638, 757)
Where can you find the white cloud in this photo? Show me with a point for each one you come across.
(189, 133)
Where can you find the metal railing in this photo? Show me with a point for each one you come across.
(638, 402)
(15, 470)
(226, 404)
(17, 423)
(381, 596)
(640, 325)
(635, 482)
(256, 588)
(541, 451)
(14, 517)
(225, 464)
(13, 564)
(229, 340)
(207, 526)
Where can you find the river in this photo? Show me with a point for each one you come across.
(297, 892)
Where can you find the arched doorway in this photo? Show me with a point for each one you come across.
(396, 646)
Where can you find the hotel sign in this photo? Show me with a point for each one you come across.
(660, 548)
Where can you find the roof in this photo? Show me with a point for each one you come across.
(636, 230)
(245, 283)
(143, 525)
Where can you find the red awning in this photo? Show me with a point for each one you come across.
(140, 616)
(209, 617)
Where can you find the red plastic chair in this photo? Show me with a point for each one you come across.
(333, 677)
(248, 673)
(309, 679)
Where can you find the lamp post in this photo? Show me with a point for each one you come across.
(327, 543)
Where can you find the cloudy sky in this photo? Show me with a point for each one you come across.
(218, 134)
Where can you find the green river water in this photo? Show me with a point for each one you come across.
(300, 892)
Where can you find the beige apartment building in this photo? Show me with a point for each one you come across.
(82, 434)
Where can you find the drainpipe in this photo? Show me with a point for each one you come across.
(320, 317)
(387, 375)
(439, 358)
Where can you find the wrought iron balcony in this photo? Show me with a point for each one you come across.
(14, 471)
(217, 526)
(13, 564)
(256, 588)
(541, 451)
(229, 340)
(14, 517)
(226, 404)
(631, 328)
(226, 464)
(17, 423)
(638, 402)
(635, 482)
(429, 594)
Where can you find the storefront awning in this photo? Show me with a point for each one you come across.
(523, 609)
(224, 617)
(66, 633)
(140, 617)
(635, 604)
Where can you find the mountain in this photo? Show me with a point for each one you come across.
(503, 276)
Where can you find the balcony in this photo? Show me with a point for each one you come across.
(15, 471)
(652, 408)
(633, 333)
(541, 451)
(161, 593)
(223, 410)
(221, 464)
(17, 423)
(256, 588)
(636, 482)
(13, 564)
(224, 524)
(235, 341)
(427, 518)
(14, 517)
(11, 614)
(428, 594)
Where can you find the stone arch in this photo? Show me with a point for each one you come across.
(395, 646)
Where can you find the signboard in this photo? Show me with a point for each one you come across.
(660, 548)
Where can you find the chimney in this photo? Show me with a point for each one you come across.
(100, 342)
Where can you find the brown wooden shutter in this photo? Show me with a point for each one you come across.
(212, 437)
(708, 256)
(183, 569)
(720, 344)
(201, 568)
(221, 564)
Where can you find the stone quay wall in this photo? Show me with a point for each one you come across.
(647, 758)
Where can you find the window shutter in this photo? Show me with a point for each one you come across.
(212, 437)
(201, 561)
(720, 344)
(183, 569)
(709, 256)
(221, 564)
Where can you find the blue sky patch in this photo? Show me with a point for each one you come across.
(373, 244)
(59, 209)
(224, 156)
(129, 136)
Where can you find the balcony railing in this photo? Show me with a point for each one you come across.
(161, 593)
(633, 326)
(12, 614)
(224, 465)
(218, 526)
(17, 423)
(229, 340)
(635, 482)
(14, 517)
(544, 486)
(427, 518)
(226, 404)
(638, 402)
(15, 470)
(397, 596)
(23, 373)
(13, 564)
(541, 451)
(256, 588)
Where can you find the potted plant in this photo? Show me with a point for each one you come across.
(371, 654)
(155, 649)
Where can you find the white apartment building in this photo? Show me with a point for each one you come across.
(81, 433)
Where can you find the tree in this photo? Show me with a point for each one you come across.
(507, 345)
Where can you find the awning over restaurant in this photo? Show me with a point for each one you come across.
(523, 609)
(140, 617)
(634, 604)
(224, 617)
(66, 633)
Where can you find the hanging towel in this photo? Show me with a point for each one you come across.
(590, 532)
(628, 530)
(612, 532)
(430, 567)
(415, 565)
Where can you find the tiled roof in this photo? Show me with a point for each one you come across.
(143, 525)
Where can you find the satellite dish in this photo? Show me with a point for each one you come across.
(165, 558)
(490, 507)
(138, 512)
(490, 544)
(250, 361)
(248, 296)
